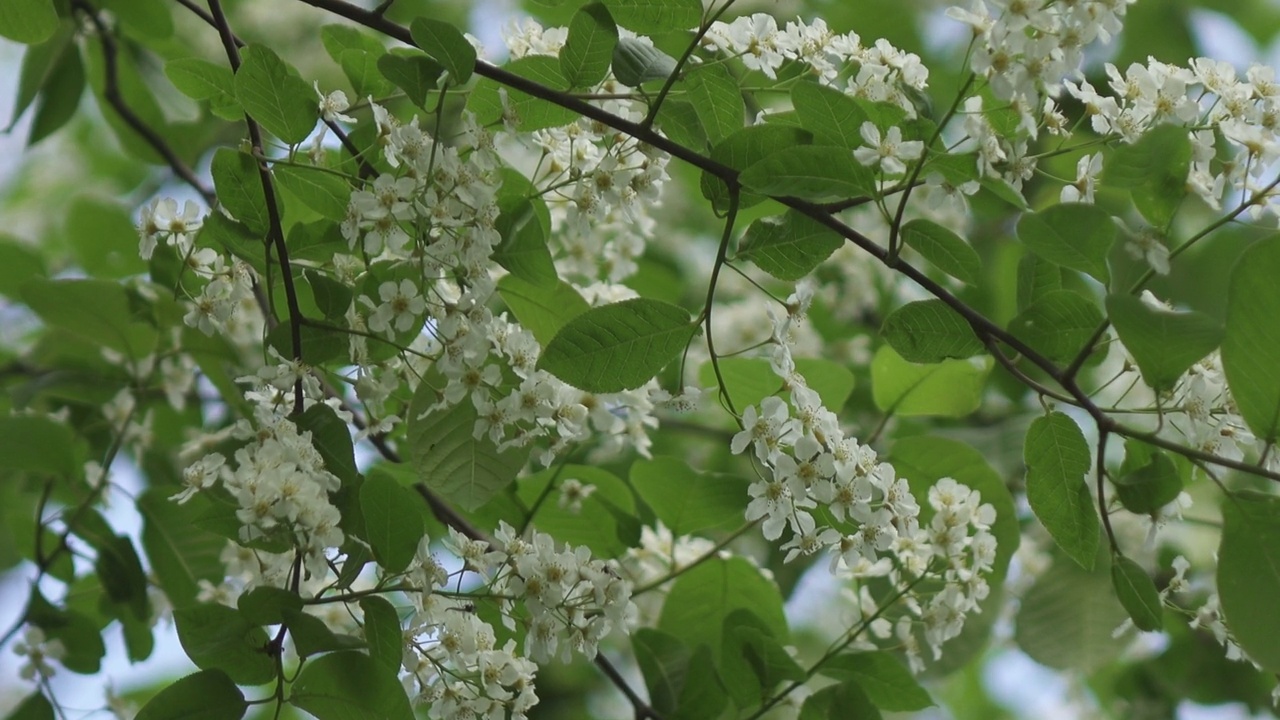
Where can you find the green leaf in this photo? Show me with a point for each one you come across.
(1057, 458)
(838, 702)
(338, 39)
(597, 523)
(202, 80)
(103, 238)
(28, 21)
(450, 460)
(951, 388)
(220, 231)
(1252, 341)
(19, 262)
(37, 443)
(331, 437)
(717, 100)
(96, 310)
(382, 631)
(361, 69)
(1137, 593)
(393, 524)
(524, 222)
(788, 248)
(526, 111)
(149, 18)
(180, 552)
(1058, 324)
(1036, 278)
(678, 120)
(833, 117)
(445, 43)
(318, 189)
(122, 577)
(688, 501)
(886, 681)
(311, 636)
(350, 686)
(266, 605)
(1073, 235)
(945, 249)
(752, 661)
(1154, 169)
(413, 72)
(541, 310)
(812, 172)
(217, 637)
(38, 63)
(1164, 343)
(1144, 486)
(59, 97)
(636, 62)
(235, 177)
(35, 707)
(1249, 574)
(619, 346)
(588, 49)
(704, 596)
(272, 93)
(682, 684)
(929, 331)
(646, 17)
(1068, 618)
(744, 148)
(206, 695)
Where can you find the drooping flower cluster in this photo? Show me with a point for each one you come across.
(565, 600)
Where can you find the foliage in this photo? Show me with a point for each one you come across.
(439, 373)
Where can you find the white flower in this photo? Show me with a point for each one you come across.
(888, 151)
(401, 306)
(1087, 170)
(333, 105)
(38, 652)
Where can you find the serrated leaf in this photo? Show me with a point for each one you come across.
(217, 637)
(1074, 235)
(833, 117)
(274, 96)
(541, 310)
(1068, 618)
(1164, 343)
(588, 48)
(1146, 486)
(636, 62)
(318, 189)
(382, 631)
(951, 388)
(688, 501)
(812, 172)
(789, 247)
(350, 686)
(887, 682)
(1137, 594)
(445, 43)
(528, 112)
(930, 331)
(1252, 340)
(743, 149)
(1058, 324)
(206, 695)
(393, 525)
(619, 346)
(945, 249)
(752, 660)
(1037, 277)
(701, 598)
(717, 100)
(654, 16)
(1057, 458)
(235, 177)
(450, 460)
(415, 73)
(1249, 574)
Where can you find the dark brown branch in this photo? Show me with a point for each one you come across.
(111, 92)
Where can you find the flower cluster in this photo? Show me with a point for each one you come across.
(565, 600)
(281, 486)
